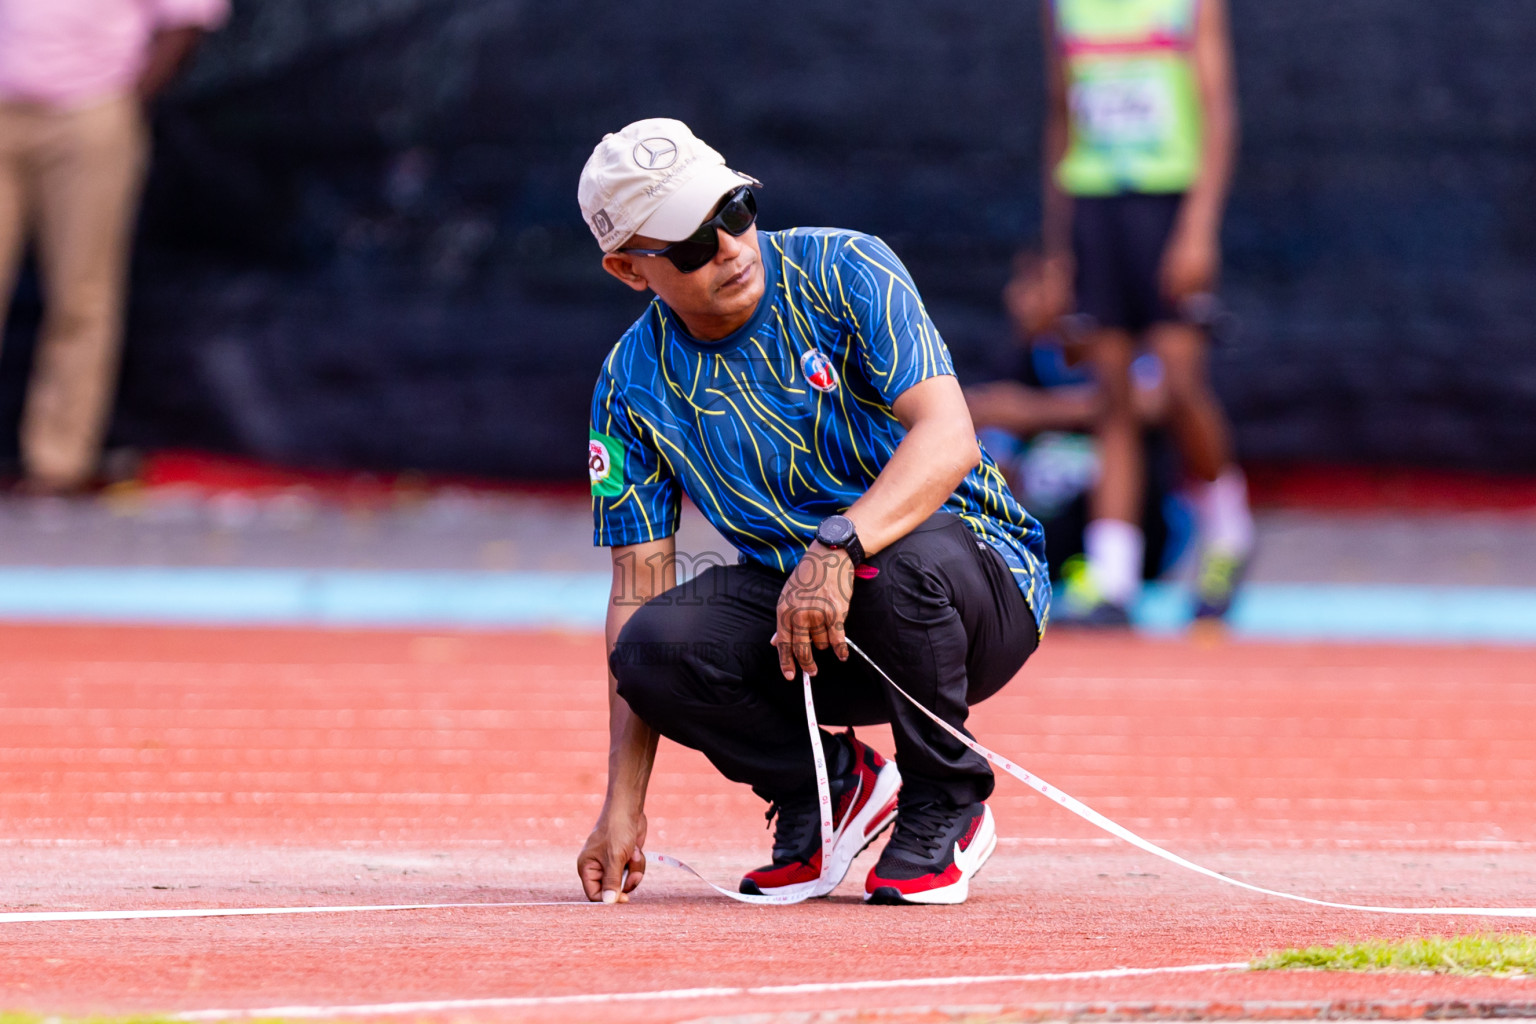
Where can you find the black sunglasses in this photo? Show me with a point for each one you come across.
(737, 214)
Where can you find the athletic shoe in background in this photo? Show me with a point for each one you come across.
(1080, 603)
(934, 853)
(863, 790)
(1227, 542)
(1217, 581)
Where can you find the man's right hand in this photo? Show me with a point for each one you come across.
(616, 846)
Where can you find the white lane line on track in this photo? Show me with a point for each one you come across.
(31, 917)
(812, 988)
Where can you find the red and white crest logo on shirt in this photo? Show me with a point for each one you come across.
(818, 370)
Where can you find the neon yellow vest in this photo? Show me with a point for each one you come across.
(1134, 123)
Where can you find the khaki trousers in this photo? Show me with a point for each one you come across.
(71, 180)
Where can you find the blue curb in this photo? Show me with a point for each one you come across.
(298, 597)
(554, 600)
(1358, 613)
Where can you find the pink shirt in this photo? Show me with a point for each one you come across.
(72, 53)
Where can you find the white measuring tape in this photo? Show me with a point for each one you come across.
(824, 797)
(1072, 804)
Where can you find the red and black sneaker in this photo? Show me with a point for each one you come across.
(864, 799)
(933, 854)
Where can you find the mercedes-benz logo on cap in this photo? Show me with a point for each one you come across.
(656, 154)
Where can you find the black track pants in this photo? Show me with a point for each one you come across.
(943, 617)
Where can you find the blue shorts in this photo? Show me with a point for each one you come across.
(1118, 243)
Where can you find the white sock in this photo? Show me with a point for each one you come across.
(1115, 550)
(1222, 514)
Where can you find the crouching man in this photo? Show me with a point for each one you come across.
(793, 386)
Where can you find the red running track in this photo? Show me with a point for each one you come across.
(189, 768)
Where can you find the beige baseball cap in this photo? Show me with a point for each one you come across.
(652, 178)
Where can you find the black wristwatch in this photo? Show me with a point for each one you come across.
(839, 532)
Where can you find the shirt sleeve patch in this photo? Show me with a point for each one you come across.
(605, 465)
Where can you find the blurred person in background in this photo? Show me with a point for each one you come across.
(1140, 141)
(76, 78)
(1038, 420)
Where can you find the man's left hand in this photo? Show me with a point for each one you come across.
(1190, 263)
(812, 609)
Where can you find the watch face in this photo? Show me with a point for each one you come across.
(835, 531)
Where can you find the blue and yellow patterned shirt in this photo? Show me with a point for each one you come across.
(788, 420)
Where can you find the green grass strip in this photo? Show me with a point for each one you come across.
(1457, 954)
